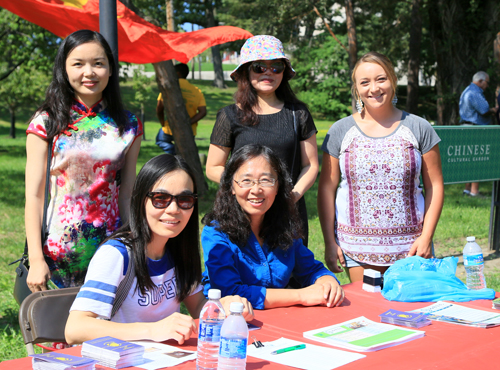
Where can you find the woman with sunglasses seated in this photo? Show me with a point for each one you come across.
(161, 240)
(251, 241)
(267, 113)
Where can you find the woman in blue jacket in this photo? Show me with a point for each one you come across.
(252, 239)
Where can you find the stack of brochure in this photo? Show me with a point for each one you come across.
(112, 352)
(363, 335)
(61, 361)
(411, 320)
(457, 314)
(496, 303)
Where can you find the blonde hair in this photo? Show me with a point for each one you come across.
(381, 60)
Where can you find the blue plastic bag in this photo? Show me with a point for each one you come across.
(416, 279)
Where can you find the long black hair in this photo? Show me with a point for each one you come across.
(136, 234)
(281, 224)
(246, 95)
(60, 95)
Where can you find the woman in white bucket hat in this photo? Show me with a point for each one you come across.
(267, 112)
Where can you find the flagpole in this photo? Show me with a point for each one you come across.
(108, 25)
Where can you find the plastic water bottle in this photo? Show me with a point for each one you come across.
(233, 342)
(211, 319)
(474, 264)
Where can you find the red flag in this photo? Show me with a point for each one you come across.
(138, 41)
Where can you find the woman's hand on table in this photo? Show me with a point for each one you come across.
(176, 326)
(325, 291)
(247, 306)
(422, 247)
(334, 256)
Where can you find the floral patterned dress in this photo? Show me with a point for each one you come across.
(84, 187)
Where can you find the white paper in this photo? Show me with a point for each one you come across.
(159, 355)
(310, 358)
(462, 315)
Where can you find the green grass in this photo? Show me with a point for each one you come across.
(462, 216)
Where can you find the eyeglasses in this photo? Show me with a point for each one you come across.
(261, 67)
(162, 200)
(249, 183)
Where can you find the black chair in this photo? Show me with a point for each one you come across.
(43, 316)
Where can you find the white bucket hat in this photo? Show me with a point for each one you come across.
(263, 47)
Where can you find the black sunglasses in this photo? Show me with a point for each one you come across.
(162, 200)
(261, 67)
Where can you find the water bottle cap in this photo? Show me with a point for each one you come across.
(236, 307)
(471, 238)
(213, 294)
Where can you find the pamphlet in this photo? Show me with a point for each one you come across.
(408, 319)
(363, 335)
(456, 314)
(112, 352)
(159, 355)
(312, 357)
(496, 303)
(61, 361)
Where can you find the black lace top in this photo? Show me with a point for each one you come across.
(275, 131)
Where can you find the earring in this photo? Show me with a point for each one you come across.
(359, 105)
(394, 100)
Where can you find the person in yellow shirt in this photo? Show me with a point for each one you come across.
(195, 106)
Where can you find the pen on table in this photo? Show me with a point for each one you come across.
(288, 349)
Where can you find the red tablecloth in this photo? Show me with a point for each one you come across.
(445, 346)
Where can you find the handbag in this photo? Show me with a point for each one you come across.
(21, 290)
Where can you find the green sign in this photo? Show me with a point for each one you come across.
(469, 153)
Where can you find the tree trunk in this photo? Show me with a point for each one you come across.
(143, 120)
(193, 61)
(351, 35)
(179, 120)
(436, 33)
(199, 67)
(169, 7)
(414, 60)
(12, 122)
(217, 60)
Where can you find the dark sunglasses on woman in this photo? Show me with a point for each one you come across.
(261, 67)
(162, 200)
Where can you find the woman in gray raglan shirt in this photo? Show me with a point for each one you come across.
(370, 202)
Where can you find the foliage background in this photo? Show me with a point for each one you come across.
(461, 217)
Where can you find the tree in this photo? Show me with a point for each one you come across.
(177, 115)
(26, 62)
(353, 44)
(322, 79)
(462, 34)
(414, 58)
(179, 121)
(217, 60)
(24, 85)
(143, 91)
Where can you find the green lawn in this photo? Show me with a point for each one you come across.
(462, 216)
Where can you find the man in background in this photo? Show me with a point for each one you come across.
(475, 110)
(195, 106)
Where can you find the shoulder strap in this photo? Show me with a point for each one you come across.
(124, 286)
(46, 199)
(295, 130)
(46, 196)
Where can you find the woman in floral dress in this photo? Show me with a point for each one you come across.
(370, 202)
(93, 163)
